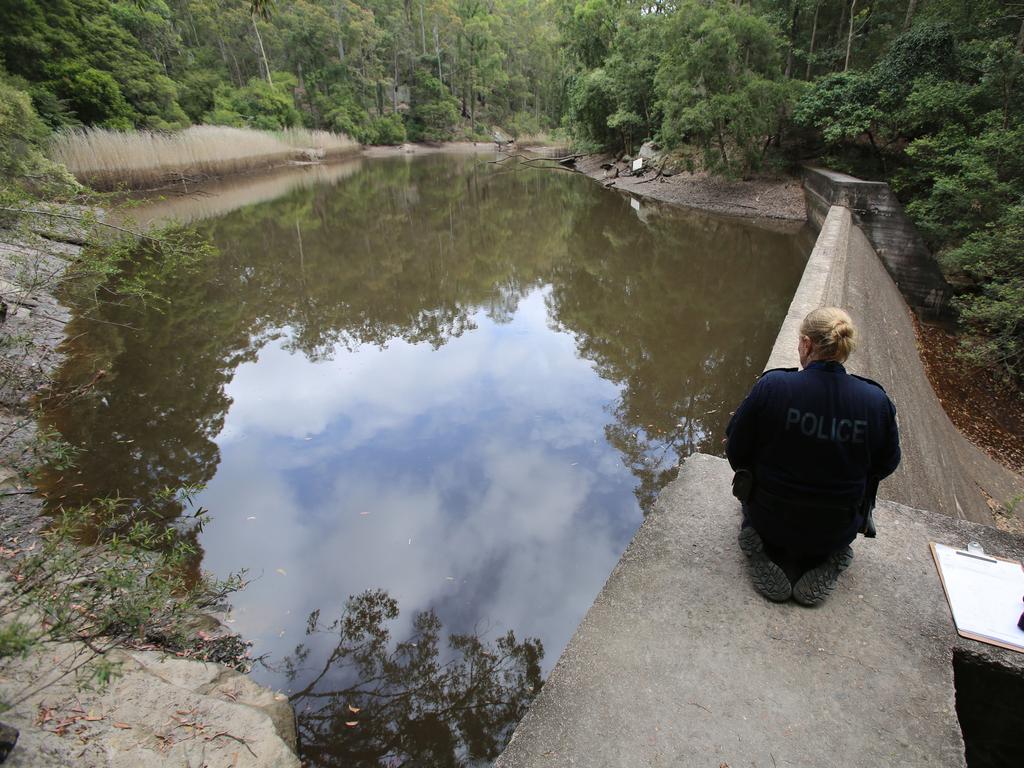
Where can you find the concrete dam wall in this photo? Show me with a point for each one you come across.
(879, 215)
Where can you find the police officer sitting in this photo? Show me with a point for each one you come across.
(810, 447)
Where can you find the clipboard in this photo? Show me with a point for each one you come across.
(984, 594)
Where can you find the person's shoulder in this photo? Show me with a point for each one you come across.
(870, 382)
(777, 373)
(774, 378)
(872, 390)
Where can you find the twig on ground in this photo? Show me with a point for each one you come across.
(227, 735)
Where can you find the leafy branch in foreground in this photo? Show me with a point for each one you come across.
(131, 586)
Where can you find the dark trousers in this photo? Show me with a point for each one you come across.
(798, 540)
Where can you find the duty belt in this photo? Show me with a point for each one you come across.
(809, 504)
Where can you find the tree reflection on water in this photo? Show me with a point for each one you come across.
(412, 251)
(371, 701)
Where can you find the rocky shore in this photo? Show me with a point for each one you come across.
(156, 708)
(771, 198)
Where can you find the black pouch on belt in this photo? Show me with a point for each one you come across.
(743, 484)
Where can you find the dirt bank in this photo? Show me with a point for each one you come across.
(987, 411)
(772, 198)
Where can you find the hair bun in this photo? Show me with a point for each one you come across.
(841, 329)
(831, 332)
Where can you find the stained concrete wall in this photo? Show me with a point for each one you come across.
(894, 237)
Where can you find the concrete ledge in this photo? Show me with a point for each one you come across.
(827, 259)
(878, 212)
(680, 663)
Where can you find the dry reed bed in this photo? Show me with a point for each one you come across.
(108, 159)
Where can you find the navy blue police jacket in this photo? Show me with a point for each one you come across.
(818, 439)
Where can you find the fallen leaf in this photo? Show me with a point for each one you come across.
(122, 726)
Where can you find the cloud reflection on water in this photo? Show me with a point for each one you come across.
(474, 478)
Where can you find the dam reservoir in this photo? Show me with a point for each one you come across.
(433, 380)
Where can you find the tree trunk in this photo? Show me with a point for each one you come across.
(394, 89)
(423, 29)
(849, 38)
(1020, 38)
(911, 7)
(842, 21)
(814, 33)
(341, 39)
(437, 50)
(263, 52)
(878, 152)
(792, 40)
(472, 86)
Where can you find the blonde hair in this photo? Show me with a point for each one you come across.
(831, 332)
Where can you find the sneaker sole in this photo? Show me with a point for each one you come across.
(815, 586)
(769, 579)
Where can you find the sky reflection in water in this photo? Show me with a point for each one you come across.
(458, 383)
(474, 479)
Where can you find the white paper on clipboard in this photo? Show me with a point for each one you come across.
(985, 594)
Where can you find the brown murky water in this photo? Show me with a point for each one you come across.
(429, 399)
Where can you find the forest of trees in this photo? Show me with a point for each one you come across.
(925, 94)
(379, 71)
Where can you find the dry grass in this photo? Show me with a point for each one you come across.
(108, 159)
(325, 142)
(542, 139)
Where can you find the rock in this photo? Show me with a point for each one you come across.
(8, 479)
(309, 155)
(157, 710)
(8, 738)
(649, 150)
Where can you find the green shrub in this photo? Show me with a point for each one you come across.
(435, 112)
(23, 166)
(16, 640)
(257, 105)
(719, 83)
(993, 259)
(388, 129)
(94, 96)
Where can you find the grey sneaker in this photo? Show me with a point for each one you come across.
(769, 579)
(818, 583)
